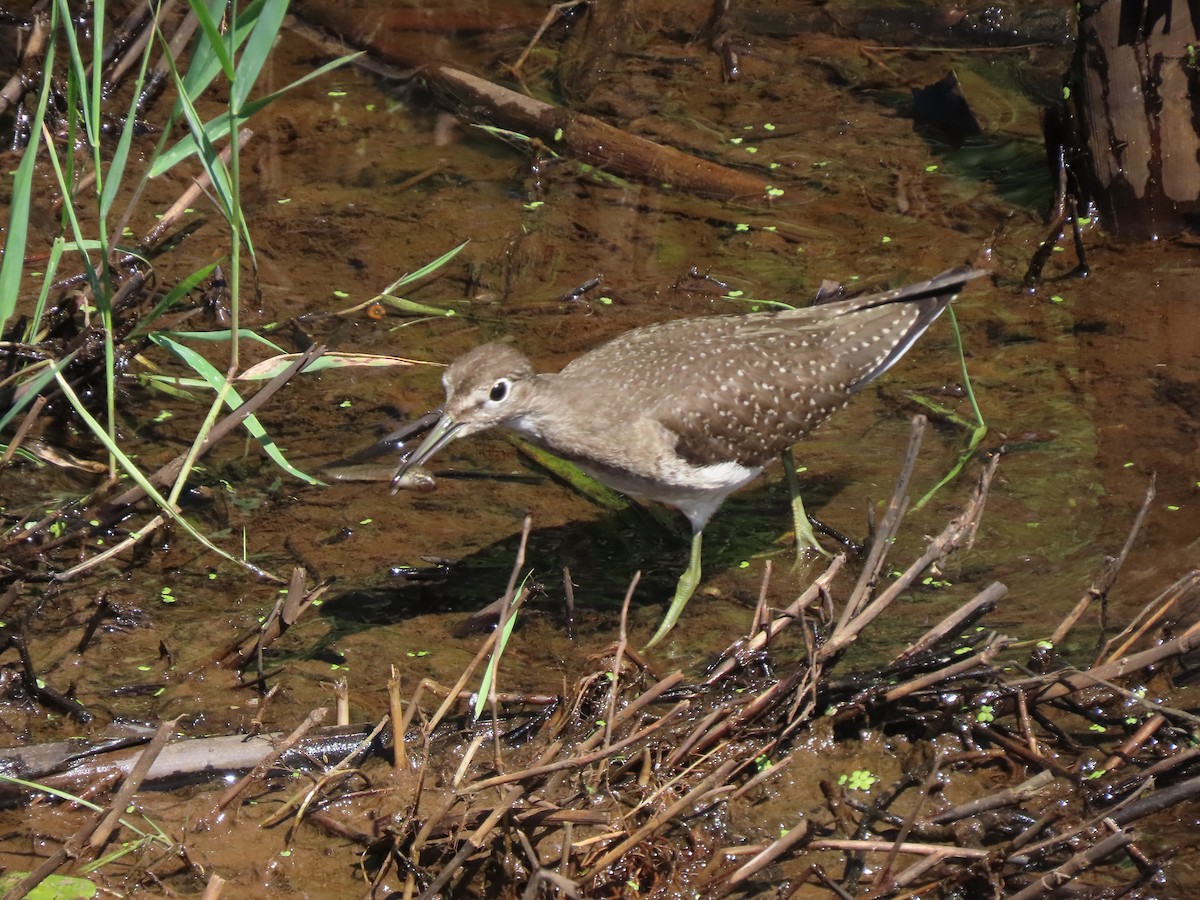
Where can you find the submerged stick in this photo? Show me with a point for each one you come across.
(885, 534)
(981, 604)
(132, 784)
(592, 141)
(575, 135)
(313, 719)
(1107, 577)
(795, 835)
(813, 593)
(618, 657)
(956, 535)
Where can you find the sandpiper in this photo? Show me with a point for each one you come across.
(686, 412)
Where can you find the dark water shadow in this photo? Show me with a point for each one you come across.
(602, 555)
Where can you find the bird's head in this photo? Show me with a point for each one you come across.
(484, 387)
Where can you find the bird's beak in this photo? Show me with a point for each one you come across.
(439, 436)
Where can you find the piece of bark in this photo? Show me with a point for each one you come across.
(1136, 83)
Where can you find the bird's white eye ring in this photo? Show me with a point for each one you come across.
(499, 390)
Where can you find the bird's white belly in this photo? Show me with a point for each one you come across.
(697, 491)
(656, 473)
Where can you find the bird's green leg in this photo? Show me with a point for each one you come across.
(683, 591)
(805, 539)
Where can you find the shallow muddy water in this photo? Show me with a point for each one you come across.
(1090, 387)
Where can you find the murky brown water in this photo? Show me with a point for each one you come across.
(1093, 385)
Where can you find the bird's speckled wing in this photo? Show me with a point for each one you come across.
(744, 388)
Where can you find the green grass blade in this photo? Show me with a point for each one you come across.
(144, 483)
(405, 280)
(78, 75)
(211, 54)
(962, 364)
(173, 296)
(493, 666)
(412, 306)
(53, 792)
(256, 52)
(96, 95)
(388, 294)
(39, 309)
(80, 243)
(216, 170)
(570, 474)
(75, 799)
(979, 431)
(17, 235)
(214, 54)
(120, 157)
(216, 381)
(941, 411)
(222, 336)
(172, 385)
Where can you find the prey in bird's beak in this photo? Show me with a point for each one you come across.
(442, 433)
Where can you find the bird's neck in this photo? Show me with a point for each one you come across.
(550, 416)
(534, 419)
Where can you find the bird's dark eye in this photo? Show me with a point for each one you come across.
(499, 391)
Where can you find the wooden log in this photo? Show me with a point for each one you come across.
(574, 135)
(592, 141)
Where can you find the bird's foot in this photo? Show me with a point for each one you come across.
(807, 545)
(806, 542)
